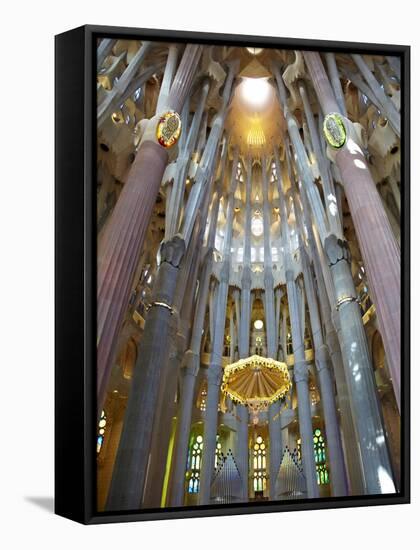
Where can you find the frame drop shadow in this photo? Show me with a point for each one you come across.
(46, 503)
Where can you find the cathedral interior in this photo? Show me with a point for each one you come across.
(248, 226)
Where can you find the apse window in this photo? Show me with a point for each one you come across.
(256, 92)
(257, 226)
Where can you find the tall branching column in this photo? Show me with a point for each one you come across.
(322, 362)
(170, 364)
(353, 341)
(191, 363)
(353, 459)
(359, 373)
(177, 191)
(378, 245)
(274, 422)
(214, 375)
(301, 377)
(244, 331)
(176, 346)
(123, 237)
(133, 452)
(301, 368)
(114, 97)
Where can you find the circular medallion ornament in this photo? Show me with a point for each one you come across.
(334, 130)
(168, 129)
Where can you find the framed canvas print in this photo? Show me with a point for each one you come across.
(232, 274)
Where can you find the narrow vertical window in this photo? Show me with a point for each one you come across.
(320, 458)
(101, 432)
(322, 474)
(260, 466)
(196, 453)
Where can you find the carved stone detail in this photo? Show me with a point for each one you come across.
(336, 250)
(301, 371)
(172, 251)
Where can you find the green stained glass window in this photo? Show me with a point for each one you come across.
(320, 457)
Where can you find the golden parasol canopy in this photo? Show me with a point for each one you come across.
(256, 381)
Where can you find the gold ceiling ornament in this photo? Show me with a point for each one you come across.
(334, 130)
(256, 382)
(168, 129)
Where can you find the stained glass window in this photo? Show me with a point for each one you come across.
(195, 458)
(203, 398)
(260, 465)
(320, 458)
(101, 432)
(257, 226)
(218, 453)
(322, 474)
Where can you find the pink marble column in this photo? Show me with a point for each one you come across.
(378, 246)
(122, 242)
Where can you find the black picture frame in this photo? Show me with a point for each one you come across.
(75, 273)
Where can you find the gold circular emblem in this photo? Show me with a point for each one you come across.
(334, 130)
(168, 129)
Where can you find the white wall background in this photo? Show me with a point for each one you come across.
(26, 256)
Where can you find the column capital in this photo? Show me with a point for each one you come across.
(268, 279)
(172, 251)
(301, 371)
(336, 250)
(224, 272)
(290, 276)
(322, 358)
(190, 364)
(214, 375)
(208, 255)
(246, 278)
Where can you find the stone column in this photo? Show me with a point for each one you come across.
(232, 332)
(114, 96)
(191, 365)
(177, 192)
(352, 331)
(191, 361)
(274, 423)
(327, 302)
(322, 362)
(359, 374)
(168, 76)
(123, 238)
(277, 298)
(205, 167)
(301, 368)
(242, 448)
(243, 344)
(214, 375)
(378, 246)
(176, 346)
(104, 49)
(387, 107)
(171, 359)
(244, 333)
(327, 181)
(335, 81)
(133, 452)
(301, 376)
